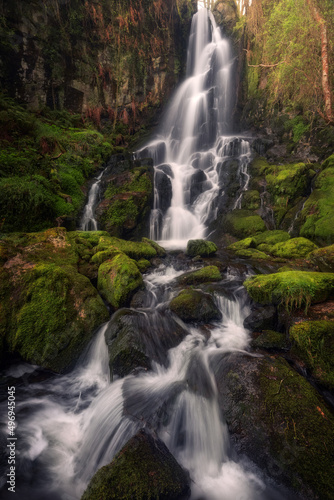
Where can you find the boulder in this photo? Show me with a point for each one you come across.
(295, 248)
(205, 275)
(201, 247)
(164, 190)
(195, 306)
(118, 279)
(261, 318)
(243, 223)
(144, 469)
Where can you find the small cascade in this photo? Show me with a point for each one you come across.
(194, 140)
(88, 221)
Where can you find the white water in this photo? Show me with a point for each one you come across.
(80, 421)
(88, 221)
(194, 139)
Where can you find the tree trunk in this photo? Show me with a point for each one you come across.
(324, 58)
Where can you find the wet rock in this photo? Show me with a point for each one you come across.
(201, 247)
(163, 186)
(205, 275)
(270, 340)
(198, 184)
(261, 318)
(167, 169)
(279, 421)
(195, 306)
(143, 469)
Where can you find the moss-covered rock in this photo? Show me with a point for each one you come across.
(242, 244)
(144, 469)
(295, 248)
(118, 279)
(100, 257)
(291, 289)
(48, 310)
(251, 200)
(195, 305)
(314, 345)
(279, 420)
(125, 209)
(243, 223)
(134, 249)
(200, 247)
(270, 340)
(271, 237)
(143, 265)
(252, 253)
(204, 275)
(318, 211)
(323, 258)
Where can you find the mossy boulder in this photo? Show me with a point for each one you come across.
(48, 310)
(200, 247)
(318, 212)
(270, 340)
(144, 469)
(252, 253)
(242, 244)
(295, 248)
(128, 198)
(100, 257)
(291, 289)
(195, 305)
(313, 343)
(136, 250)
(143, 265)
(323, 258)
(205, 275)
(251, 200)
(243, 223)
(118, 279)
(161, 252)
(271, 237)
(279, 421)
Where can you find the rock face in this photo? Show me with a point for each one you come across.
(278, 419)
(144, 469)
(195, 306)
(120, 59)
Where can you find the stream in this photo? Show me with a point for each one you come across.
(71, 425)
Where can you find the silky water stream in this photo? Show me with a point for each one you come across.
(71, 425)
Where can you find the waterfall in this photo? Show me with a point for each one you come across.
(88, 221)
(193, 139)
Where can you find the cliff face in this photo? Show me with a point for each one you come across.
(112, 57)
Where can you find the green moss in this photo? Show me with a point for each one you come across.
(271, 237)
(143, 470)
(251, 200)
(291, 289)
(135, 249)
(323, 258)
(314, 345)
(161, 252)
(242, 244)
(271, 340)
(100, 257)
(143, 265)
(252, 253)
(302, 435)
(200, 247)
(118, 279)
(59, 313)
(318, 211)
(294, 248)
(204, 275)
(194, 305)
(243, 223)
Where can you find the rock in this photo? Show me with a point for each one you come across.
(143, 265)
(271, 237)
(242, 244)
(226, 15)
(145, 249)
(252, 253)
(291, 289)
(200, 247)
(143, 469)
(296, 248)
(270, 340)
(164, 189)
(198, 184)
(313, 343)
(318, 212)
(135, 339)
(243, 223)
(251, 200)
(195, 305)
(48, 310)
(118, 279)
(166, 169)
(279, 421)
(323, 259)
(204, 275)
(161, 252)
(261, 318)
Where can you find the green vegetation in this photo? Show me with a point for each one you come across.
(205, 275)
(323, 259)
(44, 161)
(243, 223)
(293, 249)
(314, 345)
(291, 289)
(118, 279)
(200, 247)
(134, 249)
(270, 340)
(144, 469)
(195, 305)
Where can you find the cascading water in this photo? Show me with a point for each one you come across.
(189, 150)
(88, 221)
